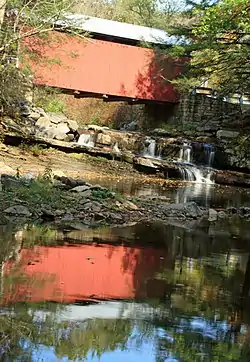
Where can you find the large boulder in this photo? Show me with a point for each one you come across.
(145, 165)
(104, 139)
(73, 125)
(62, 128)
(34, 115)
(56, 117)
(43, 123)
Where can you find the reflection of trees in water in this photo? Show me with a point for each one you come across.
(200, 279)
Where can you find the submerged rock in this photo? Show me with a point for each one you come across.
(212, 215)
(185, 210)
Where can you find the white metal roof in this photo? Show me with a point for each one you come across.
(117, 29)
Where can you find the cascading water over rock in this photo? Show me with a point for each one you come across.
(150, 149)
(190, 171)
(87, 140)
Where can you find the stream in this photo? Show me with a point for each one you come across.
(148, 292)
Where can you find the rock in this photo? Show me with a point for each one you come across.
(12, 125)
(56, 117)
(98, 187)
(58, 173)
(104, 139)
(62, 128)
(47, 214)
(46, 133)
(28, 176)
(116, 218)
(70, 137)
(86, 193)
(231, 178)
(227, 134)
(132, 126)
(99, 216)
(10, 183)
(145, 165)
(95, 127)
(187, 210)
(60, 136)
(128, 157)
(244, 211)
(232, 210)
(96, 207)
(222, 214)
(164, 133)
(39, 110)
(70, 181)
(4, 169)
(130, 205)
(73, 125)
(25, 110)
(87, 205)
(68, 217)
(34, 115)
(61, 131)
(59, 213)
(43, 123)
(19, 210)
(144, 162)
(212, 215)
(80, 188)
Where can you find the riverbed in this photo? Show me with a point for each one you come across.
(142, 292)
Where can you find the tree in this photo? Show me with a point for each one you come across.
(218, 43)
(153, 13)
(23, 19)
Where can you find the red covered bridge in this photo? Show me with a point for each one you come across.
(110, 64)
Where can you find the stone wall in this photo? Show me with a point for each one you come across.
(206, 114)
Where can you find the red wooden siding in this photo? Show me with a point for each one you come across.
(101, 67)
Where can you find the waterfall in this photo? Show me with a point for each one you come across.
(87, 140)
(210, 153)
(190, 171)
(185, 153)
(116, 148)
(149, 148)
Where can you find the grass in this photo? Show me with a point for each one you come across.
(102, 194)
(35, 150)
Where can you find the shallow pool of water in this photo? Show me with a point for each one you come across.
(142, 293)
(210, 195)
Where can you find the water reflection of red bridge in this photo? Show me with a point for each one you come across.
(83, 272)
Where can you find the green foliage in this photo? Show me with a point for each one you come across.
(155, 13)
(23, 21)
(35, 150)
(102, 194)
(48, 99)
(218, 38)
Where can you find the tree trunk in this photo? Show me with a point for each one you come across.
(2, 11)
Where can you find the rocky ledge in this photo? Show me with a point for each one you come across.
(75, 203)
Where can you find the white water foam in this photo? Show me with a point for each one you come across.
(189, 171)
(87, 140)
